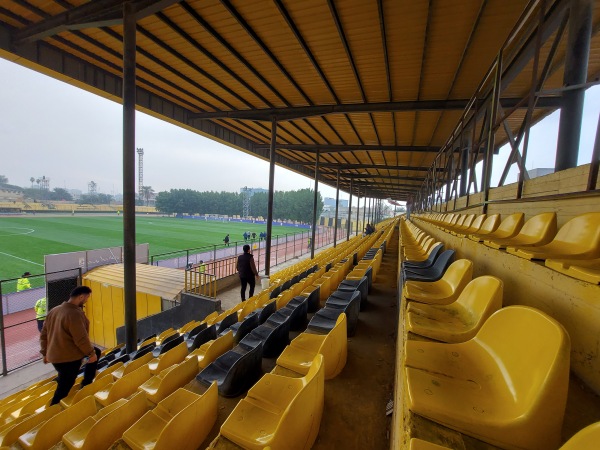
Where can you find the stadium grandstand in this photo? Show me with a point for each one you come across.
(470, 322)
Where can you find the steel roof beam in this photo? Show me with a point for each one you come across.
(300, 112)
(96, 14)
(338, 148)
(364, 166)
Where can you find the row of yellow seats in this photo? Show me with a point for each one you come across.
(574, 249)
(517, 358)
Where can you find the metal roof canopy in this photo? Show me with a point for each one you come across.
(375, 87)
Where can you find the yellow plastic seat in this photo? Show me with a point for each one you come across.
(211, 318)
(299, 355)
(466, 223)
(188, 326)
(123, 387)
(445, 290)
(418, 444)
(579, 238)
(132, 365)
(283, 298)
(46, 434)
(108, 371)
(325, 286)
(489, 225)
(586, 439)
(76, 394)
(211, 350)
(23, 398)
(473, 228)
(507, 386)
(10, 432)
(169, 380)
(36, 405)
(101, 430)
(280, 413)
(461, 320)
(181, 421)
(508, 228)
(539, 230)
(585, 270)
(148, 341)
(173, 356)
(165, 334)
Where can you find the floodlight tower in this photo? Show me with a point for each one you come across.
(140, 152)
(92, 188)
(246, 194)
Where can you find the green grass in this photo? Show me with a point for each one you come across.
(25, 240)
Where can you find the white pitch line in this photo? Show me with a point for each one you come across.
(22, 259)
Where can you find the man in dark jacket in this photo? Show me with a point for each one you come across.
(247, 271)
(65, 343)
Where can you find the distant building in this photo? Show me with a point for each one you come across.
(534, 173)
(75, 193)
(10, 193)
(328, 201)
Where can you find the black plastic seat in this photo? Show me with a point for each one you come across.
(361, 286)
(236, 370)
(124, 358)
(241, 329)
(348, 302)
(369, 275)
(194, 331)
(142, 351)
(144, 339)
(275, 292)
(168, 346)
(435, 252)
(286, 285)
(202, 337)
(313, 300)
(274, 334)
(227, 322)
(324, 320)
(432, 273)
(102, 364)
(266, 311)
(169, 338)
(298, 307)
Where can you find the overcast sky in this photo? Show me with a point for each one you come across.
(50, 128)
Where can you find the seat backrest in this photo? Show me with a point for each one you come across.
(583, 230)
(531, 349)
(482, 297)
(586, 438)
(511, 224)
(216, 348)
(490, 224)
(459, 274)
(543, 226)
(477, 223)
(468, 221)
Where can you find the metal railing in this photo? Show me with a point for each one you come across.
(19, 335)
(199, 282)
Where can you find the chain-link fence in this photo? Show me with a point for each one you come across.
(25, 300)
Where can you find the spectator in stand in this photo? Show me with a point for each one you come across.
(40, 312)
(23, 282)
(247, 271)
(65, 343)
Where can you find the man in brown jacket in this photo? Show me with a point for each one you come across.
(65, 343)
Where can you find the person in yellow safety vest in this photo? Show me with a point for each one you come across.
(40, 312)
(23, 282)
(202, 270)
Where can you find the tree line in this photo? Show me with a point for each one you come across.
(291, 205)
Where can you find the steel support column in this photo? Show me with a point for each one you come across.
(314, 221)
(593, 176)
(129, 61)
(576, 64)
(337, 204)
(270, 196)
(464, 164)
(358, 207)
(364, 209)
(491, 141)
(349, 213)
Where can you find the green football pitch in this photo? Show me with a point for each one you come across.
(25, 240)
